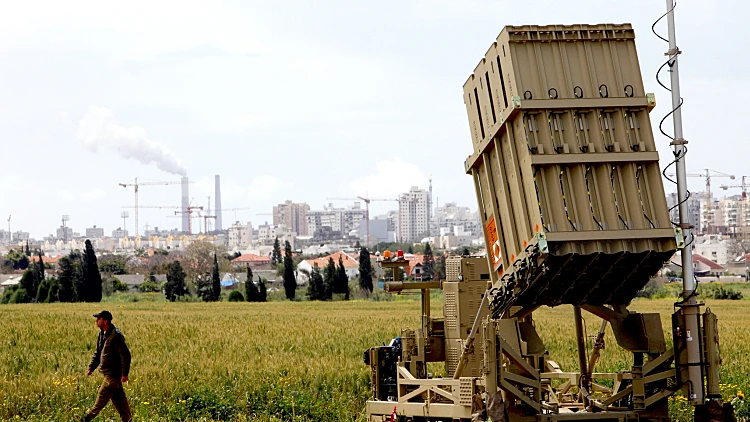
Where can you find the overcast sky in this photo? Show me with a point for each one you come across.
(296, 100)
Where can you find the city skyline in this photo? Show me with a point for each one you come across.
(368, 104)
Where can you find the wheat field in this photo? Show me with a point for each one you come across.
(256, 361)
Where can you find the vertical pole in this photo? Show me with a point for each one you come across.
(135, 186)
(690, 307)
(582, 364)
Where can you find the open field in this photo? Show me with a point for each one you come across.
(259, 361)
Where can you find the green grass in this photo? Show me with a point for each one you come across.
(257, 361)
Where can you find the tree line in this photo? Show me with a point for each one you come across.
(78, 280)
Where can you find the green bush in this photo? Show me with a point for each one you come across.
(8, 293)
(20, 296)
(719, 292)
(236, 296)
(149, 286)
(654, 289)
(119, 286)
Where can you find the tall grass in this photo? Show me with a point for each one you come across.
(254, 361)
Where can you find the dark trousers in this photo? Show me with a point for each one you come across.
(111, 389)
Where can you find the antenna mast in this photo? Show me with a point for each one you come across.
(690, 305)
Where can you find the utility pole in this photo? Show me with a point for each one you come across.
(690, 306)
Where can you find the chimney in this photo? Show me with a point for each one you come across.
(185, 204)
(217, 204)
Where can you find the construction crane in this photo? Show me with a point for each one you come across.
(205, 222)
(169, 207)
(707, 174)
(743, 186)
(743, 200)
(135, 186)
(189, 212)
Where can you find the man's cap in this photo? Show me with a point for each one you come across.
(104, 315)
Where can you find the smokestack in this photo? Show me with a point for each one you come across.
(185, 204)
(217, 203)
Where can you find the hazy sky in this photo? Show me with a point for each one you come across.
(296, 100)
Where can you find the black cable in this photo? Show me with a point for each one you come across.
(653, 27)
(682, 152)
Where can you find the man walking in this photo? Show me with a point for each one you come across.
(113, 359)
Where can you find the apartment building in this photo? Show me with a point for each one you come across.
(240, 235)
(339, 220)
(413, 215)
(95, 232)
(293, 216)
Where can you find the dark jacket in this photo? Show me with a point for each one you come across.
(112, 355)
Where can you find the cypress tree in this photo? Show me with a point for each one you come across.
(92, 279)
(276, 254)
(262, 291)
(290, 281)
(39, 267)
(79, 282)
(43, 291)
(27, 285)
(440, 269)
(329, 279)
(251, 291)
(365, 270)
(428, 263)
(215, 281)
(342, 280)
(66, 279)
(315, 290)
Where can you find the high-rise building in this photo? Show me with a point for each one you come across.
(4, 236)
(413, 215)
(293, 216)
(695, 206)
(95, 232)
(340, 220)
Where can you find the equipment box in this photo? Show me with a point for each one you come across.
(565, 165)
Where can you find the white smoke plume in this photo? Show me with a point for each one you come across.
(99, 129)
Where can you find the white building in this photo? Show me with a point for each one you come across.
(341, 220)
(268, 233)
(21, 236)
(457, 220)
(240, 235)
(713, 247)
(119, 233)
(95, 232)
(4, 236)
(413, 214)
